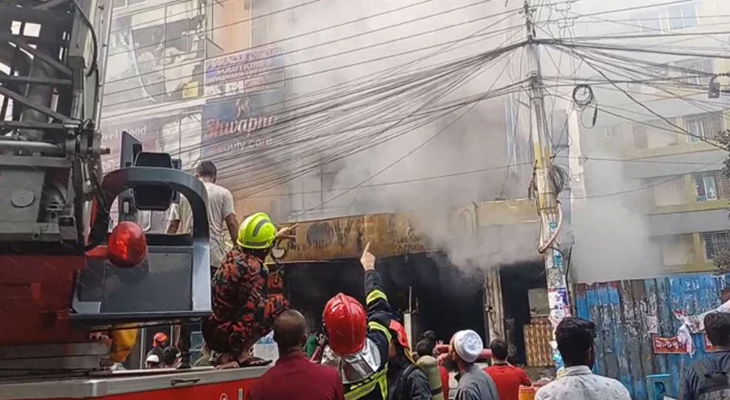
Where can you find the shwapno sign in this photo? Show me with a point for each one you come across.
(240, 124)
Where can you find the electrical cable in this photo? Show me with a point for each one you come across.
(278, 55)
(474, 98)
(333, 69)
(94, 62)
(647, 108)
(339, 39)
(657, 183)
(360, 94)
(242, 21)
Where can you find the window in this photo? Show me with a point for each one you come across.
(677, 250)
(641, 140)
(668, 191)
(695, 72)
(703, 126)
(707, 186)
(126, 3)
(681, 17)
(714, 242)
(650, 24)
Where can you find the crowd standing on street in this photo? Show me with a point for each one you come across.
(363, 352)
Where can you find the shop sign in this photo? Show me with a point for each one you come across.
(244, 72)
(240, 124)
(670, 345)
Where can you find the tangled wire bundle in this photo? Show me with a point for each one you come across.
(583, 97)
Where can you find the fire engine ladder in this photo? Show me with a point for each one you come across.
(50, 73)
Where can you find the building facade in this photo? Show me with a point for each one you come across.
(660, 138)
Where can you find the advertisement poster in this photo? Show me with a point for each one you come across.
(244, 72)
(240, 124)
(670, 345)
(178, 135)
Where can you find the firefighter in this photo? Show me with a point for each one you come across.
(242, 310)
(405, 379)
(361, 339)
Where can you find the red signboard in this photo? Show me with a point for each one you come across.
(667, 345)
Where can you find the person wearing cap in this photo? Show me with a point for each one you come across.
(243, 312)
(474, 384)
(159, 342)
(361, 339)
(405, 379)
(153, 362)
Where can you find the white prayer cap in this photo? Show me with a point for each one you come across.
(468, 345)
(153, 358)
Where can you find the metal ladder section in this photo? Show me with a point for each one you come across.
(50, 72)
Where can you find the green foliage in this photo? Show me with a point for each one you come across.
(724, 140)
(722, 260)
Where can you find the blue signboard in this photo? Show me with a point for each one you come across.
(241, 124)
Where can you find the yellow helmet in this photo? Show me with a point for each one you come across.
(257, 232)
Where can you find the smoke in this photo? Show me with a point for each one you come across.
(612, 239)
(464, 161)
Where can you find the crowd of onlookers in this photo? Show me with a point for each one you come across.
(162, 355)
(296, 376)
(373, 359)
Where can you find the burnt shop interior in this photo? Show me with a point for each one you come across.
(441, 297)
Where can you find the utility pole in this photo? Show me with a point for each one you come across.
(547, 203)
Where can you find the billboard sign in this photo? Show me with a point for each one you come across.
(240, 124)
(178, 135)
(244, 72)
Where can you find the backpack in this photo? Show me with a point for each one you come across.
(713, 381)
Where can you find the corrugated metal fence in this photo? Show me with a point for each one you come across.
(624, 311)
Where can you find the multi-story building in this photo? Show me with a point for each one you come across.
(654, 155)
(183, 79)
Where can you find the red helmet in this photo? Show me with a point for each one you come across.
(400, 333)
(160, 338)
(345, 320)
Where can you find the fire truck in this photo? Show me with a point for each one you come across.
(64, 272)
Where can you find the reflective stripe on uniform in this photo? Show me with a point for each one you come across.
(374, 295)
(379, 378)
(375, 326)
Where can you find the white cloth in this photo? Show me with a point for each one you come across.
(220, 205)
(579, 383)
(468, 345)
(696, 323)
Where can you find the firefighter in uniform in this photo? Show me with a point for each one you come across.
(361, 338)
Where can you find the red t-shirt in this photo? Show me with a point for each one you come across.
(294, 377)
(444, 381)
(508, 380)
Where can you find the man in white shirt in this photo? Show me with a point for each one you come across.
(576, 382)
(221, 214)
